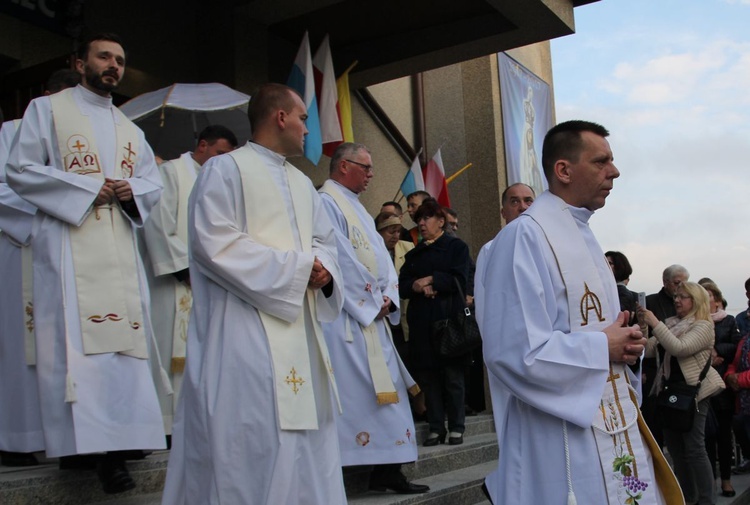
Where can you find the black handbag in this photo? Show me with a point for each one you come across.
(676, 403)
(456, 335)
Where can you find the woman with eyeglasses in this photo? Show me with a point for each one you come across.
(428, 280)
(683, 345)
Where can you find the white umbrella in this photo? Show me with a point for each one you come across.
(173, 117)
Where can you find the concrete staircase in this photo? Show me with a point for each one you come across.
(454, 474)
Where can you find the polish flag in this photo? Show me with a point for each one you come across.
(328, 98)
(434, 180)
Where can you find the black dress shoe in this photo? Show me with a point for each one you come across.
(18, 459)
(114, 476)
(728, 492)
(433, 441)
(456, 440)
(80, 462)
(134, 455)
(399, 486)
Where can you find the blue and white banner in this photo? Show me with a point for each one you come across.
(527, 116)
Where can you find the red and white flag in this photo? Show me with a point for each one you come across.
(328, 101)
(434, 180)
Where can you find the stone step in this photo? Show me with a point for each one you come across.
(145, 499)
(475, 425)
(432, 460)
(456, 487)
(46, 484)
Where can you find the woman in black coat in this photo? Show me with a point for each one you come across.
(719, 435)
(428, 279)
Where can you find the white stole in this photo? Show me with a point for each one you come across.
(385, 391)
(268, 223)
(625, 456)
(183, 295)
(103, 247)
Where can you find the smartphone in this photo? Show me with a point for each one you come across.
(642, 299)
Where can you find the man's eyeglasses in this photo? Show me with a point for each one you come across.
(367, 168)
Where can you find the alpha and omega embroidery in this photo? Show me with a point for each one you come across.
(80, 159)
(590, 301)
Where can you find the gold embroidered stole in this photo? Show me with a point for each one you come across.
(183, 295)
(625, 450)
(385, 391)
(103, 247)
(268, 223)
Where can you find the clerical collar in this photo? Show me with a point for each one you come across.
(346, 190)
(271, 156)
(93, 98)
(581, 214)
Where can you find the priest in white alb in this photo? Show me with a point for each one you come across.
(558, 351)
(255, 419)
(377, 427)
(166, 260)
(92, 176)
(20, 417)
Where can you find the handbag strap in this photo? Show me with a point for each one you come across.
(702, 376)
(705, 370)
(467, 310)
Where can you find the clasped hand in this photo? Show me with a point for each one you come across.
(114, 188)
(626, 343)
(319, 276)
(424, 286)
(385, 309)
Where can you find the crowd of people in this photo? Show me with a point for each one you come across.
(271, 333)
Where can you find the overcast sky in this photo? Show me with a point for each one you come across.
(670, 79)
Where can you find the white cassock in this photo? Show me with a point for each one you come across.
(227, 444)
(165, 254)
(20, 418)
(116, 406)
(369, 434)
(541, 373)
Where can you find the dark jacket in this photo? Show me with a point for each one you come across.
(727, 336)
(445, 259)
(743, 322)
(661, 304)
(628, 301)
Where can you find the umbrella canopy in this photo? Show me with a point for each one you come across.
(173, 117)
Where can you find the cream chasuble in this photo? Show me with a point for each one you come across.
(628, 455)
(183, 295)
(385, 391)
(268, 223)
(108, 298)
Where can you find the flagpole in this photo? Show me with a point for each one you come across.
(450, 179)
(351, 67)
